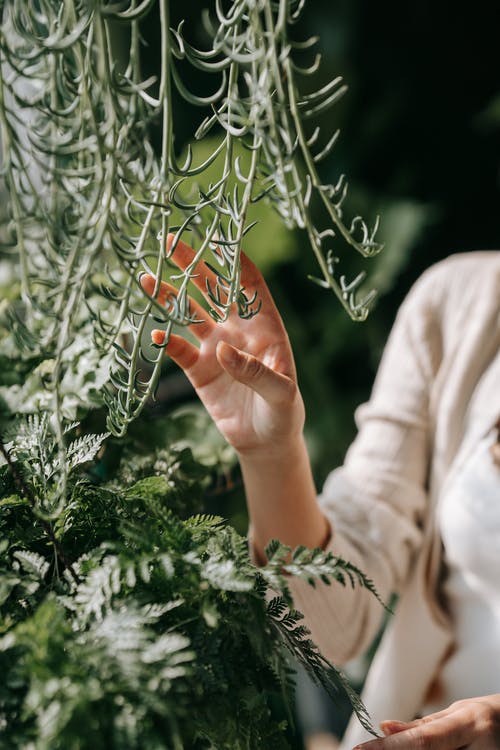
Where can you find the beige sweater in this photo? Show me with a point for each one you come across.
(436, 393)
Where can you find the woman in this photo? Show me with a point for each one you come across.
(425, 434)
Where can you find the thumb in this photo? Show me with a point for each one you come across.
(274, 387)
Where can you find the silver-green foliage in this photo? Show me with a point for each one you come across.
(125, 620)
(91, 203)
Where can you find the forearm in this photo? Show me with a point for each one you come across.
(281, 497)
(282, 504)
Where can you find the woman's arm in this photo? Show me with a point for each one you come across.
(281, 498)
(371, 508)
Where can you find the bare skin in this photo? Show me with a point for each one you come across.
(244, 373)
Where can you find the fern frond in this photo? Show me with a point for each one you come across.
(295, 637)
(32, 563)
(204, 522)
(312, 565)
(95, 594)
(84, 448)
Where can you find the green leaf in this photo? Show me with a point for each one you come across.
(150, 488)
(13, 501)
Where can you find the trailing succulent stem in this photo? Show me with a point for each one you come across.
(91, 203)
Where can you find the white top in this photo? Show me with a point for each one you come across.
(430, 400)
(469, 520)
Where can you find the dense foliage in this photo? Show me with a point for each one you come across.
(130, 618)
(128, 621)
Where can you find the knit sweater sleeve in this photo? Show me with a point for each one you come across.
(376, 502)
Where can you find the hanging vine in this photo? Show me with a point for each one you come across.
(91, 203)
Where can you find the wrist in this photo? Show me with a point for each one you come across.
(291, 449)
(281, 496)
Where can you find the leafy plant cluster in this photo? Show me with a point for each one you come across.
(129, 623)
(129, 618)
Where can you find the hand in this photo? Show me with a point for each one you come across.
(243, 369)
(473, 723)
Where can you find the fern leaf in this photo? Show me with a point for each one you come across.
(225, 574)
(32, 563)
(94, 596)
(296, 640)
(84, 449)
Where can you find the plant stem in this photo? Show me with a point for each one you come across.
(8, 148)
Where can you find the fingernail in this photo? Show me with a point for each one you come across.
(392, 726)
(157, 337)
(392, 723)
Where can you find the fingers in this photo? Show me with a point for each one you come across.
(251, 278)
(182, 352)
(204, 324)
(148, 283)
(391, 726)
(443, 733)
(183, 257)
(275, 388)
(470, 722)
